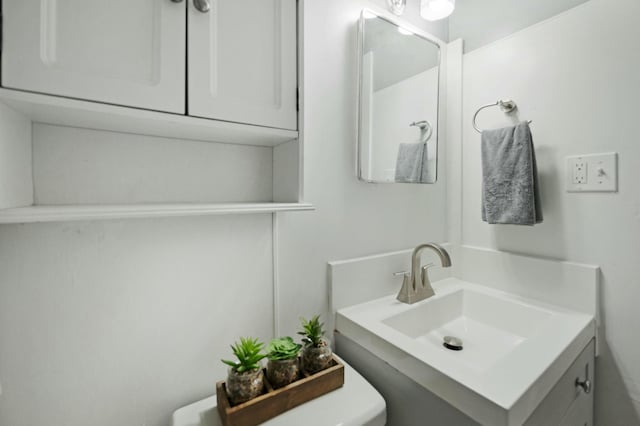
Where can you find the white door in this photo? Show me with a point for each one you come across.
(242, 61)
(122, 52)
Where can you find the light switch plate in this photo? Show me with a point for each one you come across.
(592, 173)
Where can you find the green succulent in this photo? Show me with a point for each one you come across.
(248, 352)
(312, 331)
(282, 349)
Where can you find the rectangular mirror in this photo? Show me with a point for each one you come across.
(398, 103)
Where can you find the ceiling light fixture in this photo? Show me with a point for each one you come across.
(433, 10)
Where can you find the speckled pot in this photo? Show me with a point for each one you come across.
(241, 387)
(316, 359)
(282, 372)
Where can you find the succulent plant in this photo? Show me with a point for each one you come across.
(248, 352)
(312, 332)
(282, 349)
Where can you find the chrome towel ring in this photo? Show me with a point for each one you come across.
(507, 106)
(426, 129)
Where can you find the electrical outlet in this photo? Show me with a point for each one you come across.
(592, 173)
(579, 171)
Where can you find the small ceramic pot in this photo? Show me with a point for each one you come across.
(282, 372)
(241, 387)
(316, 358)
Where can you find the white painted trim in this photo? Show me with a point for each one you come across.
(102, 212)
(94, 115)
(453, 143)
(16, 159)
(276, 275)
(301, 96)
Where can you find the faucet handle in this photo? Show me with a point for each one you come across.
(402, 274)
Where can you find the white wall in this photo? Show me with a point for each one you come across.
(122, 322)
(481, 22)
(352, 218)
(576, 76)
(16, 184)
(82, 166)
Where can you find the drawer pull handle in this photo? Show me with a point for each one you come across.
(585, 385)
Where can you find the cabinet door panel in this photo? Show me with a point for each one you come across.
(580, 413)
(123, 52)
(567, 404)
(242, 62)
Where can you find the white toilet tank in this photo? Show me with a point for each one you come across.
(356, 403)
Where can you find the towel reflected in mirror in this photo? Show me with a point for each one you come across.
(411, 163)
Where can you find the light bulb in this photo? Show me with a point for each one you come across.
(432, 10)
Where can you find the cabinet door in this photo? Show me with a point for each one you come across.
(242, 61)
(122, 52)
(580, 413)
(569, 404)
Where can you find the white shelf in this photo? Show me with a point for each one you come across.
(94, 115)
(103, 212)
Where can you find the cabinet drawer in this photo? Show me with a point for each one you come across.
(567, 401)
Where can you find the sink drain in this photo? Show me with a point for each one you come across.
(452, 343)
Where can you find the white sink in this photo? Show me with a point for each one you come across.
(514, 349)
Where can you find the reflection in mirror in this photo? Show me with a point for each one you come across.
(398, 103)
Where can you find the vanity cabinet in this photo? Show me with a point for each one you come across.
(409, 403)
(241, 55)
(209, 88)
(570, 401)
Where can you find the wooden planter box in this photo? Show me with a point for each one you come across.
(276, 401)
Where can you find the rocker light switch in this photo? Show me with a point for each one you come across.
(593, 173)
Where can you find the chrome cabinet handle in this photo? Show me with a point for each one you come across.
(202, 5)
(585, 385)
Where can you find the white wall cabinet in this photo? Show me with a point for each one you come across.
(242, 62)
(118, 51)
(104, 68)
(241, 55)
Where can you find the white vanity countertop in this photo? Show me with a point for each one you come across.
(499, 384)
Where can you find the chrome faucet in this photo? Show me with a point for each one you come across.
(416, 285)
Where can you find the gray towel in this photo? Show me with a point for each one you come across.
(510, 190)
(411, 164)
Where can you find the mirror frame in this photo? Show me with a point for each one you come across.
(360, 52)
